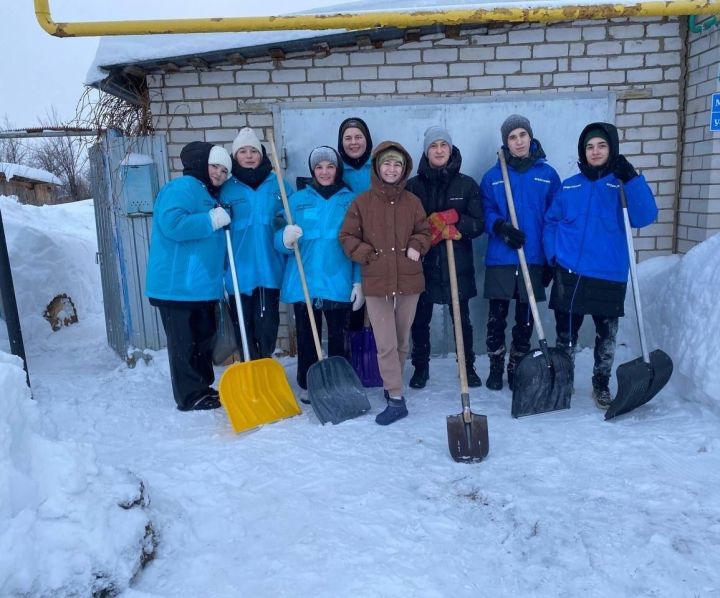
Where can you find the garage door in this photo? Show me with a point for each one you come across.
(474, 124)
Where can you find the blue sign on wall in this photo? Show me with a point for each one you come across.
(715, 112)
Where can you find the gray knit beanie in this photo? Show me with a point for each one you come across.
(512, 122)
(321, 153)
(435, 133)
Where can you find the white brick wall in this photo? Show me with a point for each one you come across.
(699, 201)
(638, 59)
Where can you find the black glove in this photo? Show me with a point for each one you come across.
(512, 236)
(547, 275)
(622, 169)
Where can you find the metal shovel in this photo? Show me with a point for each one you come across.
(543, 377)
(641, 379)
(334, 389)
(467, 432)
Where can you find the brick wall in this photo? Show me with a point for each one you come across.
(699, 206)
(638, 59)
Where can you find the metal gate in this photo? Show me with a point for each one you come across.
(132, 324)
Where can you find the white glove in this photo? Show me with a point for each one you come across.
(357, 296)
(219, 218)
(413, 254)
(291, 234)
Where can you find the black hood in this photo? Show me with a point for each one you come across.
(194, 157)
(613, 140)
(358, 123)
(596, 172)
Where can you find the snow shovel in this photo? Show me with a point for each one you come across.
(467, 432)
(256, 392)
(543, 377)
(334, 390)
(641, 379)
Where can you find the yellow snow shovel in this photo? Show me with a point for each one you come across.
(255, 392)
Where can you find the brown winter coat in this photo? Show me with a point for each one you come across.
(379, 227)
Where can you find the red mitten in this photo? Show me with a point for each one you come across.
(449, 216)
(450, 232)
(437, 225)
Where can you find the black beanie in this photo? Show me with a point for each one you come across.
(595, 132)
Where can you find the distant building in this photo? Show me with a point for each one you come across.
(31, 185)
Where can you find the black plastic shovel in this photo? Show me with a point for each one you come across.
(641, 379)
(543, 377)
(467, 432)
(334, 389)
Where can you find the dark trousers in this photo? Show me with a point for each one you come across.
(336, 318)
(567, 327)
(420, 332)
(189, 330)
(497, 322)
(261, 312)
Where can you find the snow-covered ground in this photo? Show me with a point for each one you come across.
(565, 504)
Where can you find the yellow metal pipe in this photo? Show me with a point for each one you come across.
(372, 20)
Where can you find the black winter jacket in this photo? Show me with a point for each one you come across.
(441, 189)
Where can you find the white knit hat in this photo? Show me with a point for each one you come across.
(218, 155)
(246, 137)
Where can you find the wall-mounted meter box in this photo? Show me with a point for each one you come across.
(138, 184)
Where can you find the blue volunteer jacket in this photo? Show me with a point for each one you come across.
(532, 193)
(187, 258)
(358, 179)
(256, 261)
(330, 274)
(584, 228)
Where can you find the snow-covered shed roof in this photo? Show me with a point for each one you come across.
(28, 173)
(120, 58)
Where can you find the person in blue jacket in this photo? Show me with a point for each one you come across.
(185, 270)
(355, 148)
(533, 183)
(584, 239)
(333, 280)
(253, 194)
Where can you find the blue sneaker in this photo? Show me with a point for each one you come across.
(395, 410)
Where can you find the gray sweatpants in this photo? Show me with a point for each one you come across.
(391, 319)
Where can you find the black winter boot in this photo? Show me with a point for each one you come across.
(513, 360)
(497, 365)
(601, 392)
(420, 376)
(395, 410)
(473, 379)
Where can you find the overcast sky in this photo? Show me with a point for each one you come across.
(40, 71)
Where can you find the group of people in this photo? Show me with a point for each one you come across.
(373, 239)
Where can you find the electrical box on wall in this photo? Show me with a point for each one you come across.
(139, 184)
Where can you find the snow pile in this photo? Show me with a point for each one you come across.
(68, 525)
(27, 172)
(52, 251)
(680, 305)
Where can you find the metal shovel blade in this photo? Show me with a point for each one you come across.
(335, 391)
(541, 387)
(468, 438)
(639, 381)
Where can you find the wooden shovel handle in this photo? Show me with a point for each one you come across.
(457, 324)
(521, 253)
(298, 259)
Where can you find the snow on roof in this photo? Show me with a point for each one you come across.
(129, 49)
(28, 172)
